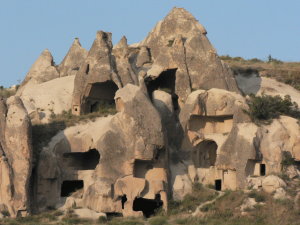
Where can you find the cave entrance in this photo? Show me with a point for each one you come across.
(100, 95)
(147, 206)
(81, 160)
(262, 169)
(205, 154)
(218, 185)
(70, 186)
(124, 199)
(165, 82)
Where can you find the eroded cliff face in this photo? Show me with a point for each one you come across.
(180, 120)
(16, 157)
(129, 153)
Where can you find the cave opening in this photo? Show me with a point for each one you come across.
(124, 199)
(82, 160)
(262, 169)
(205, 154)
(70, 186)
(147, 206)
(100, 95)
(218, 185)
(165, 82)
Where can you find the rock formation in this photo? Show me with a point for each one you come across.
(73, 60)
(96, 80)
(42, 70)
(180, 120)
(127, 156)
(16, 157)
(196, 60)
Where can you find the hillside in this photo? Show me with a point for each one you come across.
(162, 132)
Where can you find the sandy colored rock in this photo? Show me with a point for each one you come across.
(41, 71)
(124, 69)
(179, 42)
(280, 194)
(117, 173)
(97, 69)
(272, 182)
(52, 96)
(143, 57)
(73, 60)
(16, 157)
(88, 214)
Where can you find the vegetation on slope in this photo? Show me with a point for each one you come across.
(267, 107)
(285, 72)
(7, 92)
(224, 209)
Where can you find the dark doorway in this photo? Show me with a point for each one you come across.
(218, 185)
(147, 206)
(82, 160)
(100, 95)
(124, 199)
(70, 186)
(165, 82)
(262, 169)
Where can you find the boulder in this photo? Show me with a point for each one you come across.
(280, 194)
(88, 214)
(272, 182)
(73, 60)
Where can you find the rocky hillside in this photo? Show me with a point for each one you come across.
(159, 132)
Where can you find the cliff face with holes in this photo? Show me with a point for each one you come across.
(180, 120)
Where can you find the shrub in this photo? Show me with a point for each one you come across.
(288, 80)
(267, 107)
(102, 219)
(260, 198)
(58, 213)
(170, 42)
(5, 213)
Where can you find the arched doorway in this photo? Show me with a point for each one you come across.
(205, 154)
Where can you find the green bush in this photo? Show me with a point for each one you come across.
(260, 197)
(5, 213)
(267, 107)
(170, 42)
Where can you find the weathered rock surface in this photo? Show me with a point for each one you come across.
(180, 42)
(49, 97)
(272, 182)
(73, 60)
(132, 147)
(16, 157)
(121, 54)
(41, 71)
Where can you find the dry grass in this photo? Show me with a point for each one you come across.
(285, 72)
(6, 93)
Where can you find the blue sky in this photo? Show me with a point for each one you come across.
(250, 29)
